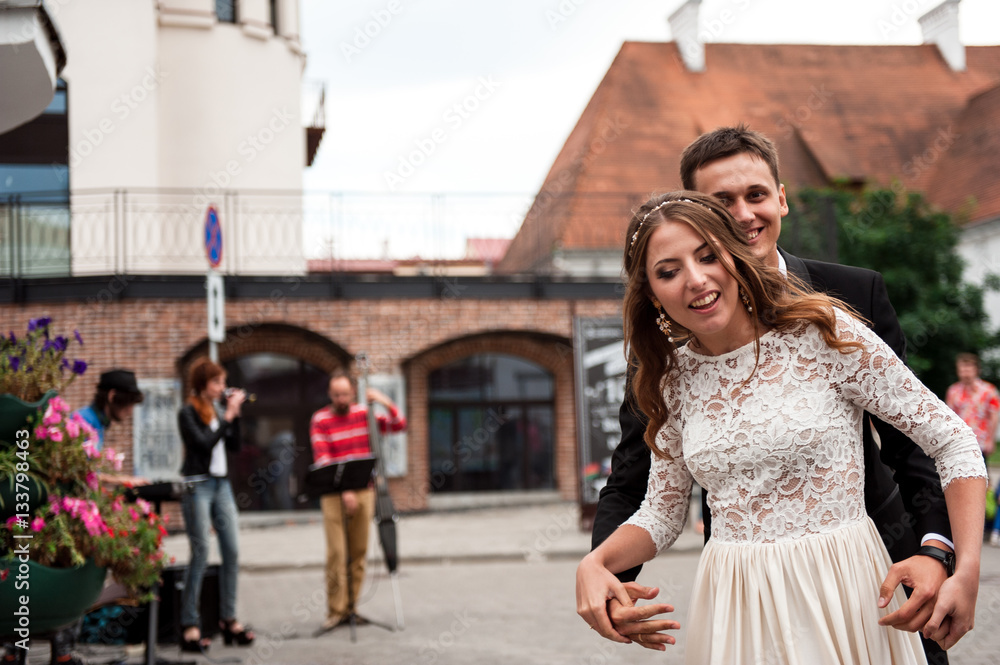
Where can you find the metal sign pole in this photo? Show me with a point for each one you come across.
(216, 313)
(214, 284)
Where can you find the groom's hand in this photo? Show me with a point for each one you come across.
(637, 622)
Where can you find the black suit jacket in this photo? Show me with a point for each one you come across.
(902, 489)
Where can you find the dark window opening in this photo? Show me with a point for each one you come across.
(491, 425)
(270, 468)
(225, 10)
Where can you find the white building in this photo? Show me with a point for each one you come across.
(167, 108)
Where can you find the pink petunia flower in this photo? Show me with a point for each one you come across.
(52, 417)
(55, 435)
(37, 524)
(72, 428)
(91, 480)
(116, 459)
(58, 404)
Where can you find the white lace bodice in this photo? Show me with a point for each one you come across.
(781, 457)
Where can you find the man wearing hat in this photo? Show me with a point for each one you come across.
(117, 393)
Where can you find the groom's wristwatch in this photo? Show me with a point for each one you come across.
(944, 556)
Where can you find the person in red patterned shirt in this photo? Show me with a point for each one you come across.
(339, 432)
(977, 402)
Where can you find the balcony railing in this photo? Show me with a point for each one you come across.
(161, 231)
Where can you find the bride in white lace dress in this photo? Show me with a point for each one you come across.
(764, 408)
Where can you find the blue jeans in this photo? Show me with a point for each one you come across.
(210, 504)
(996, 520)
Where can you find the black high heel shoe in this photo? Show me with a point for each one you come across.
(242, 637)
(193, 646)
(14, 656)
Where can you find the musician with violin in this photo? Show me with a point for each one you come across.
(340, 432)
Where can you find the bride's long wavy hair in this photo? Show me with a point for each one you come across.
(777, 301)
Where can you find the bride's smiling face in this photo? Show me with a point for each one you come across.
(688, 278)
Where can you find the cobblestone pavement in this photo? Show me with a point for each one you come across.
(477, 587)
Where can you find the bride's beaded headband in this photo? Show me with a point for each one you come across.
(661, 205)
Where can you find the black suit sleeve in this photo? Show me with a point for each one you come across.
(913, 470)
(626, 486)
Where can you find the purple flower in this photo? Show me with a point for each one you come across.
(13, 340)
(76, 333)
(42, 323)
(79, 367)
(64, 365)
(15, 362)
(49, 346)
(61, 343)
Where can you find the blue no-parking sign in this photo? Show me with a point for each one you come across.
(213, 237)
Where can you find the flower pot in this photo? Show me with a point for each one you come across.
(57, 597)
(14, 414)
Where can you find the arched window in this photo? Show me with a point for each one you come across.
(491, 425)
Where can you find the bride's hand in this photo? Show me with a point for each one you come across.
(594, 586)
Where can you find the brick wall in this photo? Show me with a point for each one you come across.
(412, 337)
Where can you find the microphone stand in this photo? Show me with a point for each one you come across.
(385, 511)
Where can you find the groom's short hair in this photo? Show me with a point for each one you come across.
(725, 142)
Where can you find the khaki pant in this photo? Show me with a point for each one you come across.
(337, 602)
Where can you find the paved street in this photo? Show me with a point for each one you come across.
(478, 587)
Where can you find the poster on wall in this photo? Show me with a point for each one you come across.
(393, 443)
(600, 388)
(156, 442)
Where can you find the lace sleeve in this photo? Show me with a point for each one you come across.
(879, 382)
(664, 511)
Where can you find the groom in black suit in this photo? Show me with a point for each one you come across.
(902, 490)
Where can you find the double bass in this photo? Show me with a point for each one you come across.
(385, 512)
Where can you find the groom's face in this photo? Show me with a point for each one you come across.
(745, 185)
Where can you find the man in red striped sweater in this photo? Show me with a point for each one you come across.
(340, 432)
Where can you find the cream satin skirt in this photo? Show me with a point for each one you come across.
(811, 601)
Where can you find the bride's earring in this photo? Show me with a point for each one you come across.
(746, 301)
(662, 321)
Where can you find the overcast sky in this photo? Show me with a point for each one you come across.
(521, 73)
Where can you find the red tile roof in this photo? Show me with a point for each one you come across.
(964, 177)
(487, 250)
(864, 113)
